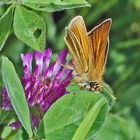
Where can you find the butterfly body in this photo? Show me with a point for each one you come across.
(84, 83)
(89, 52)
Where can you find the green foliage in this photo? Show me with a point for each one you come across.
(74, 116)
(30, 28)
(85, 127)
(122, 69)
(117, 128)
(16, 94)
(5, 26)
(54, 5)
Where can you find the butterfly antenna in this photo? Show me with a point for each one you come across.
(113, 97)
(65, 66)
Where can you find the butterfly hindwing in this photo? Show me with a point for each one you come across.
(77, 42)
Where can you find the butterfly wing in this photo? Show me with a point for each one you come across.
(77, 42)
(98, 46)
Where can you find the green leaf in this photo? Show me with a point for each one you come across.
(108, 92)
(30, 28)
(72, 114)
(16, 94)
(54, 5)
(88, 121)
(73, 88)
(5, 26)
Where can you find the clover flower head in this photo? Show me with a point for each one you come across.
(43, 84)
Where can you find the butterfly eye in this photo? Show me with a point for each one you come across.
(92, 84)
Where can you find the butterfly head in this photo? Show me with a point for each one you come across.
(94, 86)
(84, 83)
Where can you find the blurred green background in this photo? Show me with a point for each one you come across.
(123, 65)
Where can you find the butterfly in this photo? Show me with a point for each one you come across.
(89, 52)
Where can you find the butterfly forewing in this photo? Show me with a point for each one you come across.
(98, 43)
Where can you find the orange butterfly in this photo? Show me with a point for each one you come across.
(89, 52)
